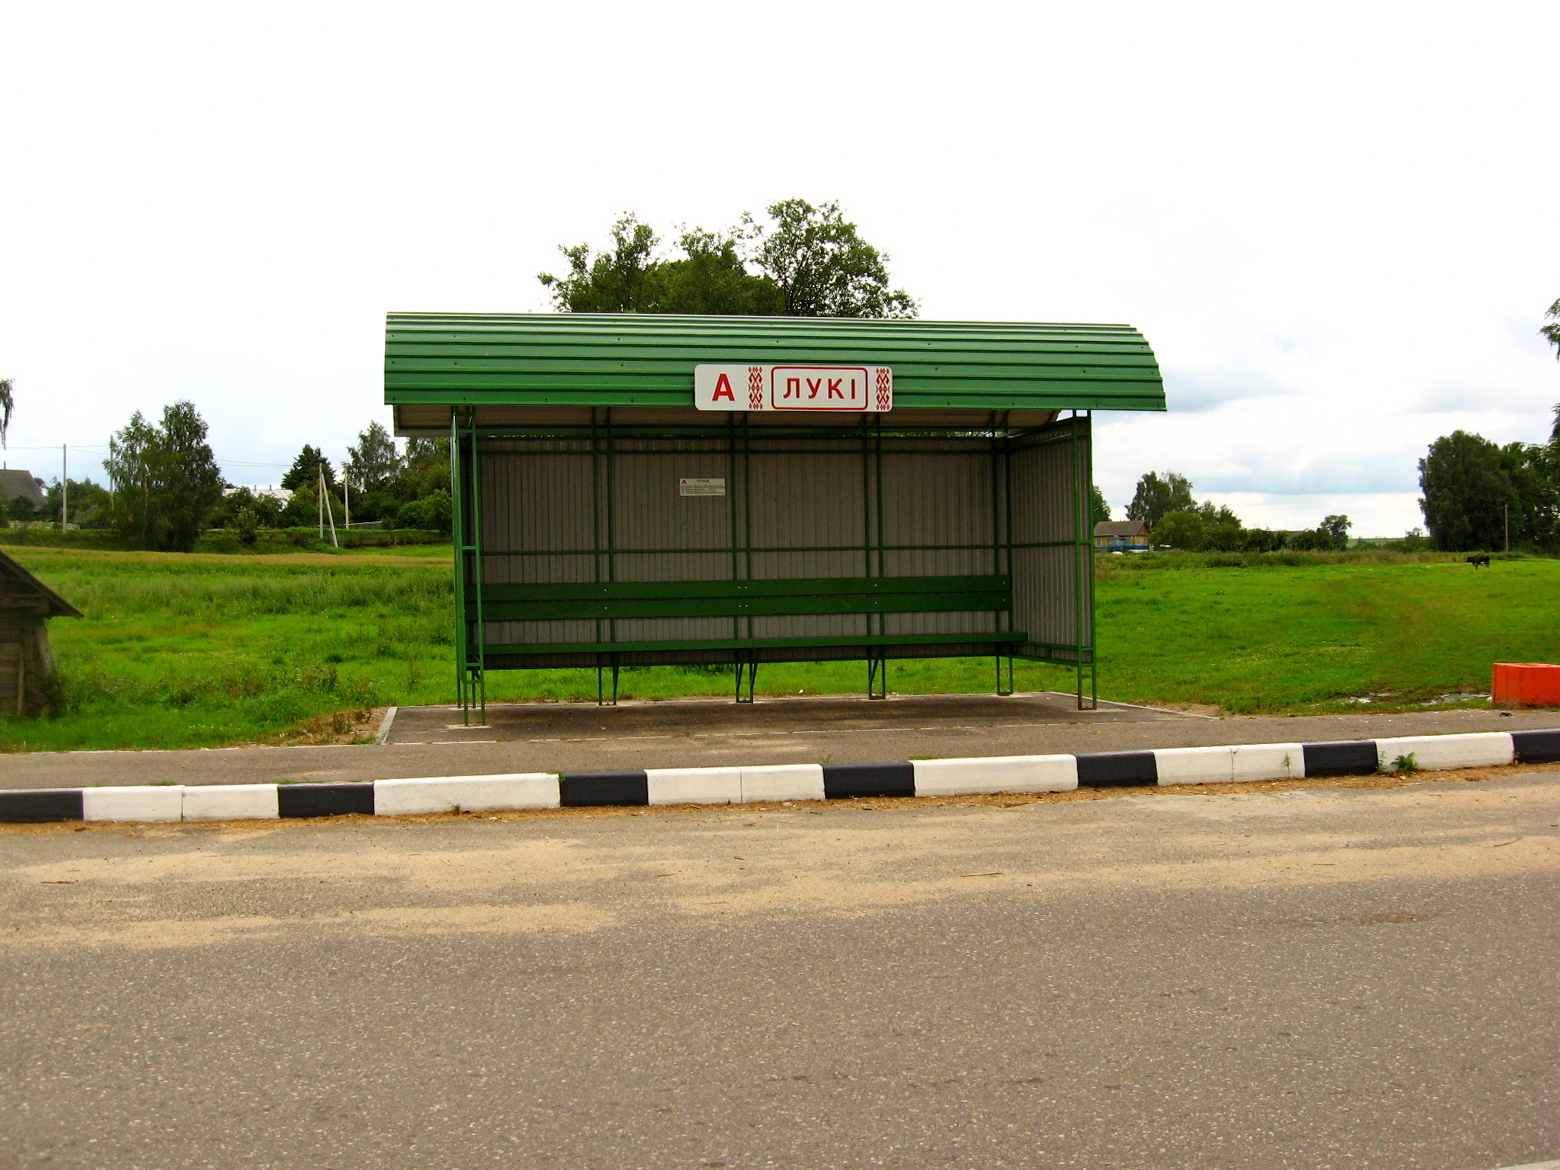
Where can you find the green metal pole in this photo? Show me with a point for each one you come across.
(457, 532)
(476, 565)
(1077, 566)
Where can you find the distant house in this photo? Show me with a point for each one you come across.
(16, 485)
(26, 662)
(1121, 536)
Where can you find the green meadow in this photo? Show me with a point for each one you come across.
(206, 650)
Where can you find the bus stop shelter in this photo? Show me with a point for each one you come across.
(635, 489)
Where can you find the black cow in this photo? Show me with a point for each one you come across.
(1481, 559)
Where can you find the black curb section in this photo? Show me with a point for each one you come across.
(599, 789)
(324, 800)
(846, 780)
(31, 805)
(1117, 769)
(1536, 747)
(1356, 757)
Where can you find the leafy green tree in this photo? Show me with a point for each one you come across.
(302, 511)
(7, 405)
(432, 513)
(822, 265)
(134, 466)
(1261, 540)
(712, 278)
(89, 502)
(194, 482)
(1337, 530)
(1223, 531)
(20, 508)
(1098, 504)
(1552, 332)
(607, 282)
(166, 479)
(305, 470)
(374, 463)
(1466, 493)
(1158, 495)
(1185, 529)
(810, 262)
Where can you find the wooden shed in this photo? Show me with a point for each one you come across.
(26, 662)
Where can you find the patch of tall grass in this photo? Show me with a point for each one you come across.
(209, 650)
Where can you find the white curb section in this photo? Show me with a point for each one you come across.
(163, 802)
(694, 785)
(1268, 761)
(465, 794)
(230, 802)
(1480, 749)
(1223, 765)
(993, 774)
(782, 782)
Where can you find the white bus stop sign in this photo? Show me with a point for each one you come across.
(842, 389)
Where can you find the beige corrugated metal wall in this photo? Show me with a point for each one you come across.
(826, 508)
(1045, 553)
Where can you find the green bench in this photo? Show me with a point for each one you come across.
(610, 600)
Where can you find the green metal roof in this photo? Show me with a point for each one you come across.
(642, 359)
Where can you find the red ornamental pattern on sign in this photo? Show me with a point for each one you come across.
(755, 387)
(885, 394)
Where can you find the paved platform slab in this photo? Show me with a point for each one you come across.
(815, 714)
(677, 744)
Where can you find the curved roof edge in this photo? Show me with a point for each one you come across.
(644, 359)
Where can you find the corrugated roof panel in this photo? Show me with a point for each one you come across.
(641, 359)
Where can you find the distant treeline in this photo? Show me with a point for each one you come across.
(166, 491)
(1164, 502)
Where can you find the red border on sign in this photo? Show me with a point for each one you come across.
(866, 388)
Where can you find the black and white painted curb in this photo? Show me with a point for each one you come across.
(779, 782)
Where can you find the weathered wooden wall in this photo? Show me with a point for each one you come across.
(24, 664)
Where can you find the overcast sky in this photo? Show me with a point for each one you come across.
(1334, 223)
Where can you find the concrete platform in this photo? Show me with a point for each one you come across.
(811, 715)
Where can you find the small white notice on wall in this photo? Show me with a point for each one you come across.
(701, 487)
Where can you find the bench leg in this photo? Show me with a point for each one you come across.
(877, 678)
(601, 700)
(1008, 690)
(750, 669)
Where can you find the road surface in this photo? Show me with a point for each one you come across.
(1313, 978)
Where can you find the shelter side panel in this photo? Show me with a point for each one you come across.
(1049, 599)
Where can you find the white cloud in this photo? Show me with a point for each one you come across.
(1329, 221)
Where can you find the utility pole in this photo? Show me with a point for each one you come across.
(64, 485)
(1508, 527)
(327, 511)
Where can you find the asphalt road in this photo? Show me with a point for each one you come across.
(1320, 977)
(556, 737)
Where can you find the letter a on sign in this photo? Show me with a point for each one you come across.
(864, 389)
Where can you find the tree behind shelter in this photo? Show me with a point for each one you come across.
(166, 481)
(1158, 495)
(305, 470)
(807, 262)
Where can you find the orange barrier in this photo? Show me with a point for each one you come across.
(1525, 684)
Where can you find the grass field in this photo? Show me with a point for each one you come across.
(206, 650)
